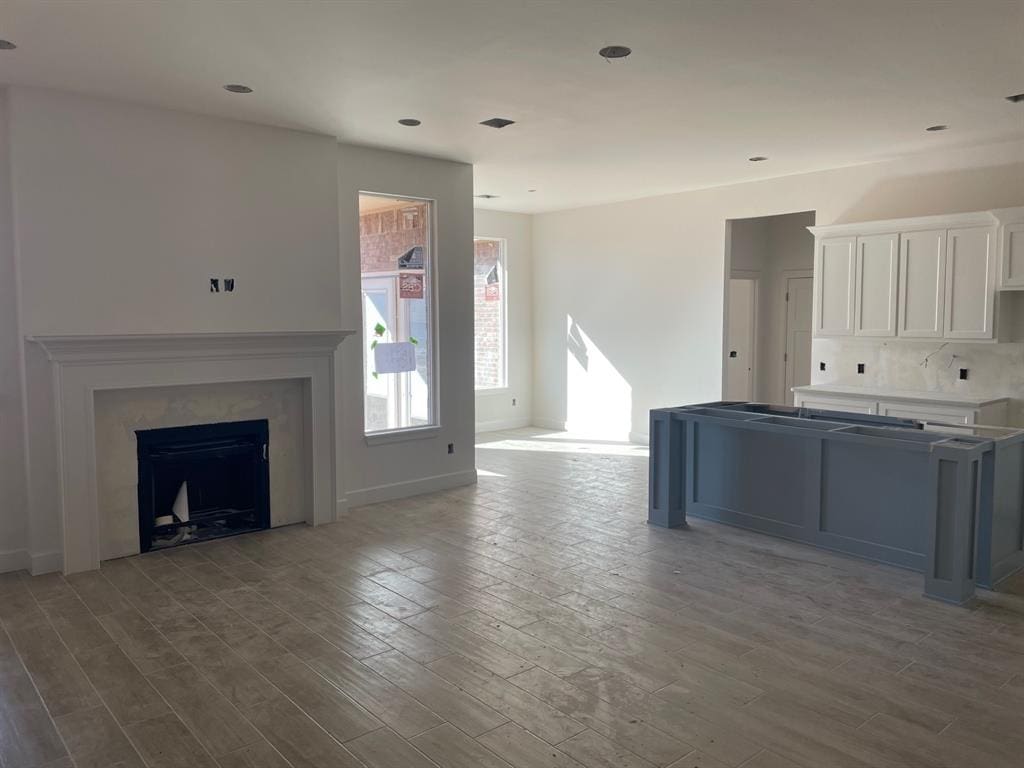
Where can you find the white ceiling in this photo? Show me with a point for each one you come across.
(812, 84)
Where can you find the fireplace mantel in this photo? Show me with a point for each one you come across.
(146, 346)
(82, 365)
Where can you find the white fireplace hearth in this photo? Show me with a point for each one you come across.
(170, 380)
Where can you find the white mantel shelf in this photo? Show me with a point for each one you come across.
(83, 365)
(146, 346)
(882, 393)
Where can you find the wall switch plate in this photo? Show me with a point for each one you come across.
(214, 285)
(860, 367)
(451, 447)
(513, 402)
(821, 366)
(963, 374)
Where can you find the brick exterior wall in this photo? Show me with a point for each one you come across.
(386, 235)
(489, 358)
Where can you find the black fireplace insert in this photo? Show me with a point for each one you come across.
(202, 482)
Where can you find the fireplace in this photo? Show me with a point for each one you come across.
(202, 482)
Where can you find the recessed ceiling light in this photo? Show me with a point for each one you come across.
(487, 197)
(7, 45)
(237, 88)
(610, 52)
(934, 128)
(412, 122)
(757, 159)
(1017, 98)
(497, 122)
(531, 190)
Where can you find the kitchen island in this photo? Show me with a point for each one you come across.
(941, 499)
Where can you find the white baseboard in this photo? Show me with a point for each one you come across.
(545, 423)
(46, 562)
(640, 437)
(14, 560)
(22, 560)
(499, 424)
(403, 490)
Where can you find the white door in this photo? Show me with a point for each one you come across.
(922, 284)
(799, 300)
(877, 272)
(970, 287)
(834, 267)
(739, 357)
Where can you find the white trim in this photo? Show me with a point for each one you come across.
(640, 438)
(82, 365)
(46, 562)
(497, 425)
(406, 488)
(943, 221)
(401, 435)
(14, 560)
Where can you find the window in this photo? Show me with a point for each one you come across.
(489, 312)
(395, 255)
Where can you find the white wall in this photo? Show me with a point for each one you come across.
(125, 212)
(13, 488)
(494, 409)
(378, 471)
(644, 280)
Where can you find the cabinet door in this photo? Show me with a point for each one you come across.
(970, 287)
(834, 267)
(1013, 256)
(877, 275)
(925, 412)
(852, 405)
(922, 284)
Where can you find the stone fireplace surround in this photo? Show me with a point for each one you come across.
(81, 366)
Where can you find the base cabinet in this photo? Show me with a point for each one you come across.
(991, 413)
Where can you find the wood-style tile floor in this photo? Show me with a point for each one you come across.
(533, 621)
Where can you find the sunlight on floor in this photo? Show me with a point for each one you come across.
(545, 441)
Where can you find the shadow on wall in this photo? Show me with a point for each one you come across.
(598, 399)
(938, 193)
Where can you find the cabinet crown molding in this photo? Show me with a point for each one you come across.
(915, 223)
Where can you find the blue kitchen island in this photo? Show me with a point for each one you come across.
(946, 500)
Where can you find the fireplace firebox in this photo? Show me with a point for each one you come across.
(202, 482)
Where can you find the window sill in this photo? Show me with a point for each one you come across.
(492, 391)
(402, 435)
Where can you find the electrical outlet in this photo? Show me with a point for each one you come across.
(513, 402)
(451, 447)
(860, 367)
(229, 284)
(963, 374)
(821, 366)
(214, 285)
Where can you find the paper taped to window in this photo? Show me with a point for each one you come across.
(396, 357)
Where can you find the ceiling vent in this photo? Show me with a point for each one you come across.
(497, 122)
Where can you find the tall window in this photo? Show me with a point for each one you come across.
(395, 254)
(489, 312)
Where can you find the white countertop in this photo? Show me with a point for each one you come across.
(882, 393)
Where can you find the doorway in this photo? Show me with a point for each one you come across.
(767, 322)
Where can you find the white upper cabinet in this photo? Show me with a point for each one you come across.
(834, 280)
(1013, 256)
(875, 285)
(922, 294)
(970, 284)
(953, 277)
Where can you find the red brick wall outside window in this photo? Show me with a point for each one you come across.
(489, 315)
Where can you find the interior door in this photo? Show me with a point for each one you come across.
(799, 305)
(739, 359)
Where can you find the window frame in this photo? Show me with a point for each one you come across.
(504, 299)
(418, 431)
